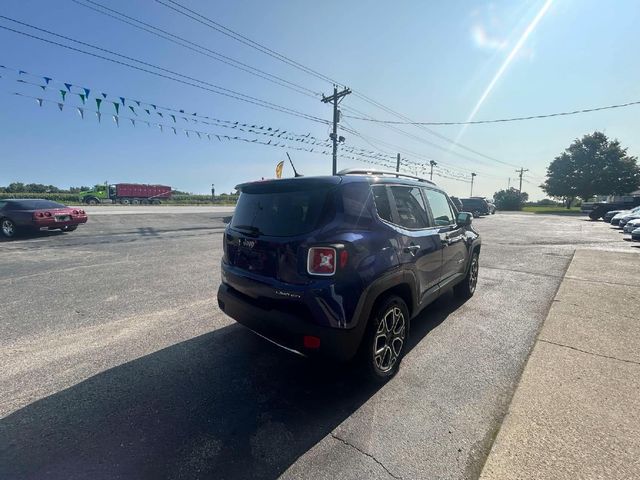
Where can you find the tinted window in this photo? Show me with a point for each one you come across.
(2, 204)
(412, 212)
(281, 214)
(34, 205)
(440, 208)
(382, 202)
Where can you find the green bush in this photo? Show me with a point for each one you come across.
(510, 199)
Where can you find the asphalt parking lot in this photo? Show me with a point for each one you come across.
(117, 362)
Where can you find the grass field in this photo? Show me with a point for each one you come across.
(553, 210)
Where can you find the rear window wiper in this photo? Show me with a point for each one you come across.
(248, 228)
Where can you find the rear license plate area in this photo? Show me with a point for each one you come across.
(63, 218)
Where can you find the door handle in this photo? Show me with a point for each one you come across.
(412, 249)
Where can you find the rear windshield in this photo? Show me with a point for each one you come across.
(281, 214)
(35, 205)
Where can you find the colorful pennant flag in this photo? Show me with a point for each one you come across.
(117, 120)
(99, 116)
(39, 100)
(63, 93)
(61, 106)
(116, 105)
(98, 103)
(68, 85)
(80, 112)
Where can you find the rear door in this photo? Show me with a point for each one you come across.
(418, 245)
(452, 236)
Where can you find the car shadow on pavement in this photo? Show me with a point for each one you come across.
(226, 404)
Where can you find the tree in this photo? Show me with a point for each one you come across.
(592, 165)
(510, 199)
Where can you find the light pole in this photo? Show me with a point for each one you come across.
(213, 192)
(472, 177)
(433, 164)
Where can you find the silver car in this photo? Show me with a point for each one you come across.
(619, 216)
(631, 225)
(635, 235)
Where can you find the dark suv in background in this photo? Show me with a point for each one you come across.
(476, 205)
(339, 265)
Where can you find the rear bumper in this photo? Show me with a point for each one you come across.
(288, 330)
(52, 224)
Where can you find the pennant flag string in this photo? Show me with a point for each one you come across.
(225, 124)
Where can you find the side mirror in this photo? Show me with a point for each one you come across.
(464, 219)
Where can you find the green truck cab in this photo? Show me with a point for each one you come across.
(98, 194)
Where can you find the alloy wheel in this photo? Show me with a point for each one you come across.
(473, 274)
(389, 339)
(8, 228)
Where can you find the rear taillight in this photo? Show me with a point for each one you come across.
(47, 214)
(38, 214)
(75, 212)
(321, 261)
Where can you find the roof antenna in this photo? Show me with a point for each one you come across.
(295, 173)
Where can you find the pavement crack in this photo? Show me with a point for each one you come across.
(589, 353)
(366, 455)
(539, 274)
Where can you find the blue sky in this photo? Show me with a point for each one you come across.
(431, 61)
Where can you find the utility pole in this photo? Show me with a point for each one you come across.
(433, 164)
(398, 164)
(336, 118)
(472, 177)
(521, 172)
(509, 183)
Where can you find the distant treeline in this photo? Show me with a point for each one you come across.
(19, 187)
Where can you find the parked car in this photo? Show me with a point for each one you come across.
(476, 205)
(492, 206)
(456, 201)
(33, 214)
(632, 225)
(337, 266)
(615, 220)
(610, 214)
(635, 234)
(629, 216)
(599, 209)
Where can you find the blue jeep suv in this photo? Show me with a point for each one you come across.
(338, 265)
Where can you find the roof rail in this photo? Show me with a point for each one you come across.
(369, 171)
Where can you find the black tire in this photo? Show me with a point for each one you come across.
(144, 201)
(135, 201)
(8, 228)
(92, 201)
(384, 342)
(467, 287)
(125, 201)
(69, 228)
(156, 202)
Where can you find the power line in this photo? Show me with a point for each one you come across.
(501, 120)
(243, 39)
(214, 88)
(178, 40)
(198, 17)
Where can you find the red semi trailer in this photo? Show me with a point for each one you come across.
(127, 193)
